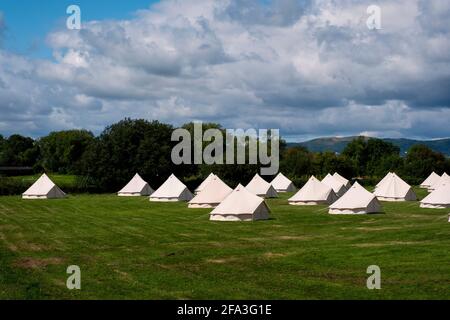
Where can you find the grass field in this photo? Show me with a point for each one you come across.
(135, 249)
(60, 179)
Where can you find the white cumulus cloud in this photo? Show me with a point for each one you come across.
(310, 68)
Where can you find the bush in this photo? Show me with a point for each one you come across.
(191, 182)
(12, 186)
(68, 184)
(299, 181)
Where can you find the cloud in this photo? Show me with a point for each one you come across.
(277, 13)
(433, 16)
(310, 68)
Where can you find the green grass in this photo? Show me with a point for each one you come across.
(60, 179)
(135, 249)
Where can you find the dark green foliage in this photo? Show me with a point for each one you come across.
(198, 172)
(62, 151)
(422, 161)
(366, 159)
(107, 162)
(233, 174)
(11, 186)
(128, 147)
(367, 153)
(18, 151)
(329, 162)
(297, 161)
(68, 183)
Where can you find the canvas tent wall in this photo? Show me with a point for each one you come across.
(383, 181)
(172, 190)
(261, 187)
(344, 181)
(438, 199)
(43, 188)
(395, 189)
(282, 184)
(204, 183)
(432, 179)
(444, 179)
(212, 194)
(338, 187)
(136, 187)
(356, 200)
(313, 192)
(241, 205)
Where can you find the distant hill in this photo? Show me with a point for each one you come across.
(337, 144)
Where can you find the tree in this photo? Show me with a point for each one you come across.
(18, 151)
(330, 162)
(203, 169)
(231, 173)
(2, 149)
(389, 163)
(297, 162)
(367, 154)
(62, 151)
(420, 161)
(2, 145)
(355, 151)
(377, 150)
(127, 147)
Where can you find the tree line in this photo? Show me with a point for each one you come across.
(105, 162)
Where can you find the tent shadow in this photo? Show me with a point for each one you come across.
(377, 213)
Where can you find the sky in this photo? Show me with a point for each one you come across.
(29, 21)
(311, 68)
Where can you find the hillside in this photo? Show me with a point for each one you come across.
(337, 144)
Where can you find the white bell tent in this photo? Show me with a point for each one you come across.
(338, 187)
(314, 192)
(43, 188)
(383, 181)
(438, 199)
(211, 195)
(135, 188)
(344, 181)
(444, 179)
(395, 189)
(241, 205)
(261, 187)
(172, 190)
(204, 183)
(282, 184)
(356, 200)
(432, 179)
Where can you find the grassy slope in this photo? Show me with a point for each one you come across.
(131, 248)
